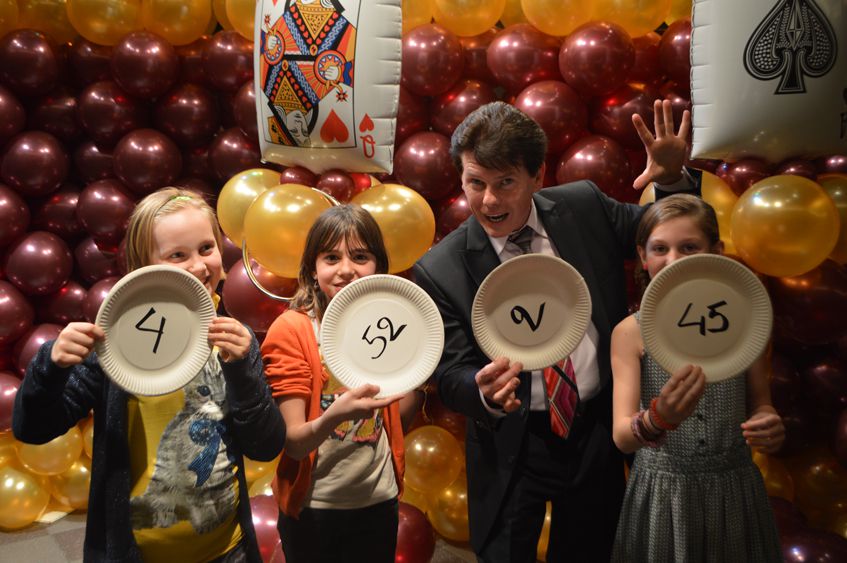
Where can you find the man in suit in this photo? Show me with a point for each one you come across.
(515, 462)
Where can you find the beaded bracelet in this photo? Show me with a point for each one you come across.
(657, 420)
(644, 437)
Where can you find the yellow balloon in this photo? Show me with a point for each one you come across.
(255, 470)
(448, 512)
(777, 478)
(835, 185)
(8, 16)
(512, 13)
(637, 17)
(467, 18)
(241, 14)
(405, 219)
(414, 497)
(71, 487)
(219, 9)
(105, 22)
(784, 225)
(433, 459)
(544, 538)
(556, 17)
(47, 16)
(87, 429)
(415, 13)
(180, 22)
(236, 196)
(8, 453)
(679, 9)
(277, 223)
(23, 498)
(54, 457)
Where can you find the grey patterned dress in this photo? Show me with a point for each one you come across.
(699, 497)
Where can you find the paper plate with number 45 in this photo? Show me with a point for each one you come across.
(383, 330)
(156, 321)
(706, 310)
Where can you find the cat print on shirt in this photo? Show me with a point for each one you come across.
(193, 475)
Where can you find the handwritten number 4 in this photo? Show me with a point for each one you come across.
(713, 313)
(392, 336)
(158, 331)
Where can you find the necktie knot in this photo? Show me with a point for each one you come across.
(523, 239)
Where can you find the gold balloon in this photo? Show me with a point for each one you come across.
(277, 223)
(8, 16)
(819, 483)
(679, 9)
(241, 14)
(255, 470)
(180, 22)
(8, 453)
(777, 478)
(784, 225)
(405, 219)
(236, 196)
(49, 17)
(414, 497)
(54, 457)
(70, 487)
(433, 459)
(556, 17)
(467, 18)
(415, 13)
(219, 9)
(512, 13)
(637, 17)
(544, 538)
(87, 429)
(448, 512)
(23, 498)
(105, 22)
(835, 185)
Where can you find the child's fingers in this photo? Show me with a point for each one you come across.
(685, 125)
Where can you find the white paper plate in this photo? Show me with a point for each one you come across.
(706, 310)
(383, 330)
(156, 321)
(532, 309)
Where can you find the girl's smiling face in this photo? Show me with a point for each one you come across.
(185, 239)
(674, 239)
(345, 263)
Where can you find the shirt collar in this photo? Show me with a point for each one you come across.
(499, 243)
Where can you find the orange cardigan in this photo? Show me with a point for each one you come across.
(294, 369)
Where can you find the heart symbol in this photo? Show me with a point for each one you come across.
(334, 129)
(367, 124)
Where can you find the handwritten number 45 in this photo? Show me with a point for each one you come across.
(713, 314)
(392, 336)
(158, 332)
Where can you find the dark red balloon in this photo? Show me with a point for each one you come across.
(191, 61)
(39, 263)
(412, 116)
(248, 304)
(602, 161)
(57, 214)
(231, 152)
(612, 115)
(674, 52)
(29, 62)
(646, 68)
(95, 296)
(93, 163)
(298, 175)
(475, 51)
(244, 111)
(432, 60)
(415, 536)
(447, 419)
(12, 115)
(14, 215)
(146, 160)
(558, 109)
(26, 348)
(9, 384)
(144, 64)
(89, 62)
(16, 314)
(265, 512)
(785, 383)
(228, 60)
(200, 187)
(520, 55)
(743, 174)
(92, 264)
(56, 113)
(789, 519)
(679, 97)
(34, 163)
(64, 306)
(453, 214)
(812, 545)
(104, 209)
(798, 167)
(708, 165)
(840, 438)
(451, 107)
(832, 164)
(188, 114)
(596, 58)
(195, 164)
(230, 253)
(423, 163)
(338, 184)
(107, 113)
(825, 384)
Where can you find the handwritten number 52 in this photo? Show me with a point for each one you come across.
(392, 336)
(713, 314)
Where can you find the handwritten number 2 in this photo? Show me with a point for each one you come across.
(392, 336)
(158, 331)
(701, 323)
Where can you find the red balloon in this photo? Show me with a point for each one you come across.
(453, 214)
(789, 519)
(230, 253)
(244, 111)
(95, 296)
(34, 164)
(39, 263)
(813, 545)
(92, 264)
(12, 115)
(265, 515)
(557, 108)
(451, 107)
(107, 113)
(612, 115)
(709, 165)
(231, 152)
(646, 68)
(445, 418)
(245, 302)
(298, 175)
(199, 186)
(104, 209)
(596, 58)
(29, 62)
(56, 113)
(89, 62)
(338, 184)
(57, 214)
(144, 64)
(679, 97)
(228, 60)
(423, 163)
(146, 160)
(798, 167)
(432, 60)
(415, 536)
(191, 61)
(9, 385)
(836, 164)
(520, 55)
(602, 161)
(841, 438)
(412, 116)
(64, 306)
(674, 49)
(825, 384)
(743, 174)
(475, 50)
(784, 382)
(188, 114)
(26, 348)
(195, 164)
(14, 215)
(93, 163)
(16, 314)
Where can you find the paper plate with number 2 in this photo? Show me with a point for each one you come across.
(706, 310)
(383, 330)
(156, 321)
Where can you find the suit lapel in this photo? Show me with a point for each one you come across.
(479, 256)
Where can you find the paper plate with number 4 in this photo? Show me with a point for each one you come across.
(706, 310)
(383, 330)
(532, 309)
(156, 321)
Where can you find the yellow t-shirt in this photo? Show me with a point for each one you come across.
(184, 497)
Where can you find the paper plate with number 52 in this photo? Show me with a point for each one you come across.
(706, 310)
(156, 321)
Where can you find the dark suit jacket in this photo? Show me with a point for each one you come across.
(592, 232)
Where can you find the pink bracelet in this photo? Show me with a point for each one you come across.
(644, 437)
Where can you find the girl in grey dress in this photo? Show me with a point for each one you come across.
(694, 493)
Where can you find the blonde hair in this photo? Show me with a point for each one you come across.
(139, 232)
